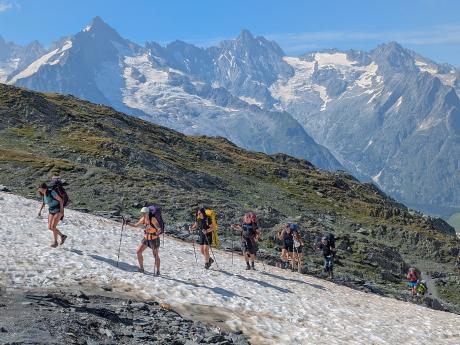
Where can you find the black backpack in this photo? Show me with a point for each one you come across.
(249, 230)
(331, 240)
(57, 186)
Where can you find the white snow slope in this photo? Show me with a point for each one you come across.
(272, 307)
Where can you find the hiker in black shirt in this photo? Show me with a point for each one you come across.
(328, 249)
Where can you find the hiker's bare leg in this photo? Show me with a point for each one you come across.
(156, 255)
(52, 228)
(140, 257)
(246, 256)
(253, 257)
(206, 254)
(56, 220)
(300, 262)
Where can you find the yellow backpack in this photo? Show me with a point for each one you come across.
(215, 238)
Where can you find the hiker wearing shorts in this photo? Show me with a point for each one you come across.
(152, 231)
(413, 278)
(250, 235)
(298, 248)
(55, 212)
(205, 227)
(286, 234)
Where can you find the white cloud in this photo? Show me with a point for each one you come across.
(5, 6)
(430, 36)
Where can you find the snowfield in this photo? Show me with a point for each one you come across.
(272, 306)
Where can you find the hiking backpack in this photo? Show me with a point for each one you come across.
(57, 185)
(421, 288)
(293, 226)
(215, 238)
(155, 211)
(249, 225)
(331, 240)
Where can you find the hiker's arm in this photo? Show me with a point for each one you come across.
(140, 222)
(258, 236)
(280, 235)
(193, 226)
(236, 227)
(61, 203)
(41, 209)
(155, 223)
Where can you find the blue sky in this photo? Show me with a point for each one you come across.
(430, 27)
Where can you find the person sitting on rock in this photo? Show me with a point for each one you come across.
(412, 277)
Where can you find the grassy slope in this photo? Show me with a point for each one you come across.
(112, 161)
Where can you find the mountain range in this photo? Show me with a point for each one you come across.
(389, 116)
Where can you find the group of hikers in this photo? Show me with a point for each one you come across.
(205, 226)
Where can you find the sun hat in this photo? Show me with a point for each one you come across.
(144, 210)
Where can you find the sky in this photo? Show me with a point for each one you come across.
(430, 27)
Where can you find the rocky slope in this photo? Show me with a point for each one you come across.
(56, 317)
(115, 163)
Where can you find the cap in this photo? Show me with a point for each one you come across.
(144, 210)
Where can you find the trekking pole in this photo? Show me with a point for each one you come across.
(232, 250)
(212, 252)
(194, 252)
(121, 237)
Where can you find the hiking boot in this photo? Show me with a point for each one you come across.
(63, 238)
(140, 270)
(54, 245)
(247, 266)
(252, 266)
(157, 274)
(207, 265)
(210, 262)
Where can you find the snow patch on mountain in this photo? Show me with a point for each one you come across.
(428, 123)
(51, 58)
(376, 178)
(251, 100)
(333, 59)
(8, 67)
(271, 305)
(293, 88)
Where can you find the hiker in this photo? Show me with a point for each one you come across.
(153, 228)
(204, 224)
(55, 204)
(286, 235)
(297, 254)
(250, 235)
(327, 246)
(413, 278)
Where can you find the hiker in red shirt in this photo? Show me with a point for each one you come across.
(413, 277)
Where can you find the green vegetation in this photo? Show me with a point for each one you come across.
(115, 163)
